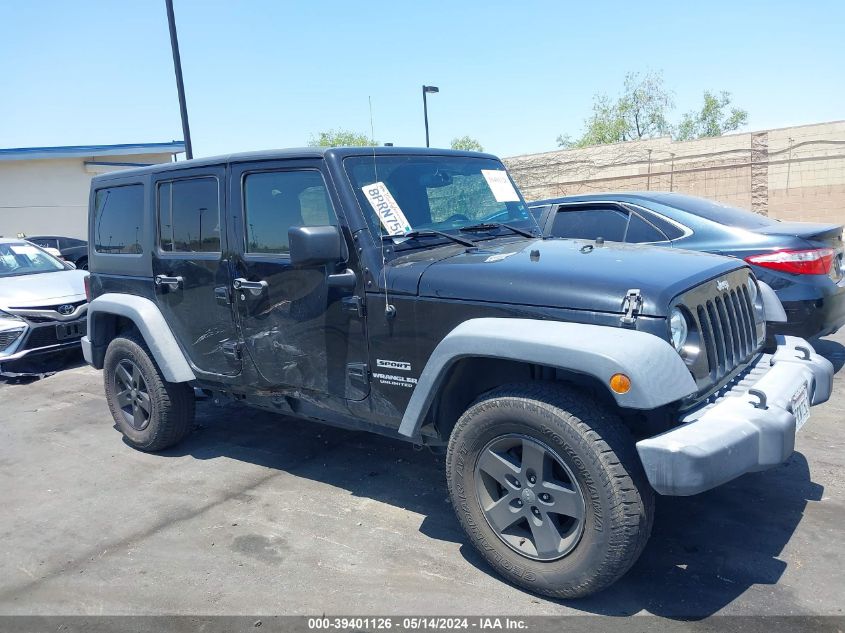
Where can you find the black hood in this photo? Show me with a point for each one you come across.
(560, 273)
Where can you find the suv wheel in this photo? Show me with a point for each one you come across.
(152, 413)
(548, 486)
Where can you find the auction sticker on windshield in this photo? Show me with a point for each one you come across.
(386, 208)
(500, 185)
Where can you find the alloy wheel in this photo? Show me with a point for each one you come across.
(132, 395)
(529, 497)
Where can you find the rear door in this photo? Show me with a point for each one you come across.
(192, 277)
(296, 328)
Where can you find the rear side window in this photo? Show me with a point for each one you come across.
(640, 231)
(119, 214)
(671, 231)
(588, 224)
(189, 216)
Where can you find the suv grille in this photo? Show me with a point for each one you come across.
(727, 330)
(723, 318)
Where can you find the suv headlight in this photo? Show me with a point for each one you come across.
(678, 328)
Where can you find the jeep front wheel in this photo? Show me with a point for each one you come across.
(548, 486)
(152, 413)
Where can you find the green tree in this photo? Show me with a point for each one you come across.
(714, 118)
(639, 112)
(341, 138)
(467, 143)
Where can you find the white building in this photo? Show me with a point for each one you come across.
(44, 190)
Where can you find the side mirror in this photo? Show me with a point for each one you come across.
(315, 245)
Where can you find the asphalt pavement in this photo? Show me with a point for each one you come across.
(257, 513)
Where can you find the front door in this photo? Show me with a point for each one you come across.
(296, 327)
(192, 277)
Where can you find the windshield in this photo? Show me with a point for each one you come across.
(401, 194)
(20, 258)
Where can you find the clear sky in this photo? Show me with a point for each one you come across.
(514, 75)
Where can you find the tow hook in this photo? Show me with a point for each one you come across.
(760, 396)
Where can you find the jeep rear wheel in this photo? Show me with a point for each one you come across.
(548, 486)
(152, 413)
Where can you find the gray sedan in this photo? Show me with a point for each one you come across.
(42, 303)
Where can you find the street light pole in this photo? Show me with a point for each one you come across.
(425, 91)
(180, 85)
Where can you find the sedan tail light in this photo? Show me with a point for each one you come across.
(814, 261)
(87, 282)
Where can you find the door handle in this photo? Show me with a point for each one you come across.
(172, 283)
(255, 287)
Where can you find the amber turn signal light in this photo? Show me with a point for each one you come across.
(620, 383)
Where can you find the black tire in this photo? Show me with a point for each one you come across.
(169, 415)
(597, 454)
(82, 263)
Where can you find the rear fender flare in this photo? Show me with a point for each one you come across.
(658, 374)
(153, 328)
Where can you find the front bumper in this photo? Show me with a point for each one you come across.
(38, 339)
(730, 436)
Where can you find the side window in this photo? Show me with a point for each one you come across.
(119, 214)
(640, 231)
(44, 242)
(70, 242)
(671, 231)
(590, 223)
(189, 216)
(277, 200)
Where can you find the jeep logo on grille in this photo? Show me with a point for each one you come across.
(722, 285)
(65, 309)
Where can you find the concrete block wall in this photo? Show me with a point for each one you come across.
(795, 173)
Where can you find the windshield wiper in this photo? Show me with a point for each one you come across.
(486, 226)
(430, 233)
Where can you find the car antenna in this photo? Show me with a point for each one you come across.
(389, 310)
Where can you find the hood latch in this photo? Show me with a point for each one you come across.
(631, 304)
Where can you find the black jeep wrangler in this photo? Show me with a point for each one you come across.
(409, 292)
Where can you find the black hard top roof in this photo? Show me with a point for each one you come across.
(281, 154)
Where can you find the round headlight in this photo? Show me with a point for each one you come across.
(678, 328)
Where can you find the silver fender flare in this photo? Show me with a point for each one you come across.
(153, 328)
(658, 375)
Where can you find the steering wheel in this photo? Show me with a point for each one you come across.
(456, 217)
